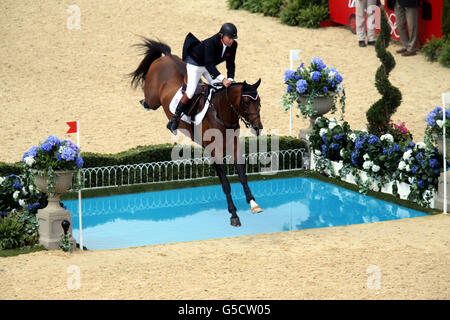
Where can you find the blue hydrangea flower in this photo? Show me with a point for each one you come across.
(397, 147)
(318, 64)
(53, 141)
(298, 77)
(419, 155)
(17, 185)
(338, 137)
(79, 162)
(334, 146)
(421, 183)
(325, 89)
(338, 78)
(302, 85)
(412, 144)
(433, 162)
(332, 83)
(324, 149)
(289, 88)
(288, 75)
(373, 139)
(315, 76)
(355, 157)
(46, 146)
(414, 169)
(68, 154)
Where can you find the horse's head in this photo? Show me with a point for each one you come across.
(250, 105)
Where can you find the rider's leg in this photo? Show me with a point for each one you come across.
(194, 74)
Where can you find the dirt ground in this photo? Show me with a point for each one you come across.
(51, 74)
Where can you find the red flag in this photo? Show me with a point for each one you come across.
(72, 127)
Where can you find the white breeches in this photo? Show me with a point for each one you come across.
(194, 74)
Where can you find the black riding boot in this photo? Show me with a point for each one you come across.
(173, 123)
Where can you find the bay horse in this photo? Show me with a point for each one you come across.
(161, 75)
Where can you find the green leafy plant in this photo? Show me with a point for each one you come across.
(432, 49)
(444, 56)
(235, 4)
(272, 8)
(380, 112)
(312, 16)
(65, 244)
(11, 235)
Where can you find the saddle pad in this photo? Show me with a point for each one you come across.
(198, 117)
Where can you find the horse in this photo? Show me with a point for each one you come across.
(161, 74)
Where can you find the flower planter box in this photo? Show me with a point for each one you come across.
(403, 189)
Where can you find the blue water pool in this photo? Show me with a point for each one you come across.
(200, 213)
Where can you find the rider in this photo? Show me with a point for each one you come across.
(201, 58)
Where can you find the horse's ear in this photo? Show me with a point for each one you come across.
(256, 85)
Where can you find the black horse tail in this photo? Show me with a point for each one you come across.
(152, 50)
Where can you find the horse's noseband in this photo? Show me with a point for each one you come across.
(245, 103)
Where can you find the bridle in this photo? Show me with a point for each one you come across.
(244, 104)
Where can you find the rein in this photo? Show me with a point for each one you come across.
(235, 124)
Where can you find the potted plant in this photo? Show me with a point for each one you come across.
(315, 90)
(51, 165)
(54, 161)
(435, 126)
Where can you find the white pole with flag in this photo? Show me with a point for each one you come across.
(445, 101)
(79, 192)
(75, 127)
(293, 56)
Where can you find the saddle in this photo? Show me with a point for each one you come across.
(197, 103)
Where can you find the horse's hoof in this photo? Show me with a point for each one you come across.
(254, 207)
(235, 222)
(257, 209)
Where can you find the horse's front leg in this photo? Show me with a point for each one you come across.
(240, 168)
(234, 220)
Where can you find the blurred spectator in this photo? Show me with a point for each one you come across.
(368, 6)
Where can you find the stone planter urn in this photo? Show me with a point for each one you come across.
(51, 217)
(322, 105)
(440, 145)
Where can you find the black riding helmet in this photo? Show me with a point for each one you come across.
(229, 30)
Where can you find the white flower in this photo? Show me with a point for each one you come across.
(16, 195)
(22, 203)
(30, 187)
(367, 165)
(342, 152)
(331, 125)
(2, 179)
(375, 168)
(408, 168)
(440, 123)
(363, 130)
(411, 180)
(317, 120)
(407, 155)
(29, 161)
(387, 137)
(339, 88)
(331, 75)
(24, 192)
(353, 137)
(317, 152)
(420, 145)
(366, 157)
(323, 131)
(402, 165)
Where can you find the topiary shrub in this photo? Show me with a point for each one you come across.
(381, 111)
(235, 4)
(432, 49)
(312, 16)
(272, 8)
(444, 56)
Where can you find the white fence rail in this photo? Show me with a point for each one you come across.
(190, 169)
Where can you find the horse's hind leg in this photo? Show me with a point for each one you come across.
(235, 222)
(240, 168)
